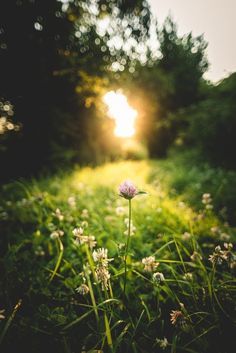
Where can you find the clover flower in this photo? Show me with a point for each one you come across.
(163, 343)
(120, 210)
(85, 213)
(78, 232)
(71, 201)
(207, 201)
(100, 256)
(81, 239)
(2, 317)
(56, 234)
(217, 257)
(195, 256)
(58, 214)
(177, 318)
(158, 277)
(186, 236)
(103, 276)
(149, 263)
(83, 289)
(228, 255)
(132, 227)
(128, 190)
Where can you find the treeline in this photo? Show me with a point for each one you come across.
(57, 59)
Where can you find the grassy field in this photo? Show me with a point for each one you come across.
(58, 296)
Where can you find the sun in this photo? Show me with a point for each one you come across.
(123, 114)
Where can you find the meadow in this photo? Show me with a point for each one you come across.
(78, 275)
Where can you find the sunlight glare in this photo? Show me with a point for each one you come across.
(120, 110)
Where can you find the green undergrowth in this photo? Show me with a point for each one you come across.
(42, 274)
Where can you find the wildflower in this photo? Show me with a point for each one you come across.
(39, 251)
(58, 214)
(188, 276)
(207, 200)
(215, 230)
(132, 227)
(71, 201)
(120, 210)
(195, 256)
(85, 213)
(158, 277)
(78, 232)
(83, 289)
(56, 234)
(128, 190)
(228, 256)
(150, 263)
(216, 258)
(84, 239)
(163, 343)
(224, 236)
(1, 314)
(103, 276)
(100, 256)
(186, 236)
(177, 318)
(84, 224)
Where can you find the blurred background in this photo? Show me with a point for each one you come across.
(90, 81)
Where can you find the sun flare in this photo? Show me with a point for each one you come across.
(120, 110)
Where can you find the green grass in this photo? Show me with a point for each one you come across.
(43, 273)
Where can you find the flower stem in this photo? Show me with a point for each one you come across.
(127, 246)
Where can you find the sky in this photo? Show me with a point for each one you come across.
(216, 19)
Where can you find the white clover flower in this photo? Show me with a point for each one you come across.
(149, 263)
(224, 236)
(2, 317)
(163, 343)
(85, 213)
(83, 289)
(103, 276)
(100, 256)
(158, 277)
(56, 234)
(71, 201)
(186, 236)
(132, 227)
(39, 251)
(188, 276)
(77, 232)
(58, 214)
(195, 256)
(120, 210)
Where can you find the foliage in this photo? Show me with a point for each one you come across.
(47, 271)
(212, 125)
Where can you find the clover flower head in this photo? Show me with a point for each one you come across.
(149, 263)
(56, 234)
(195, 256)
(163, 343)
(177, 318)
(83, 289)
(101, 256)
(2, 317)
(58, 214)
(77, 232)
(128, 190)
(158, 277)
